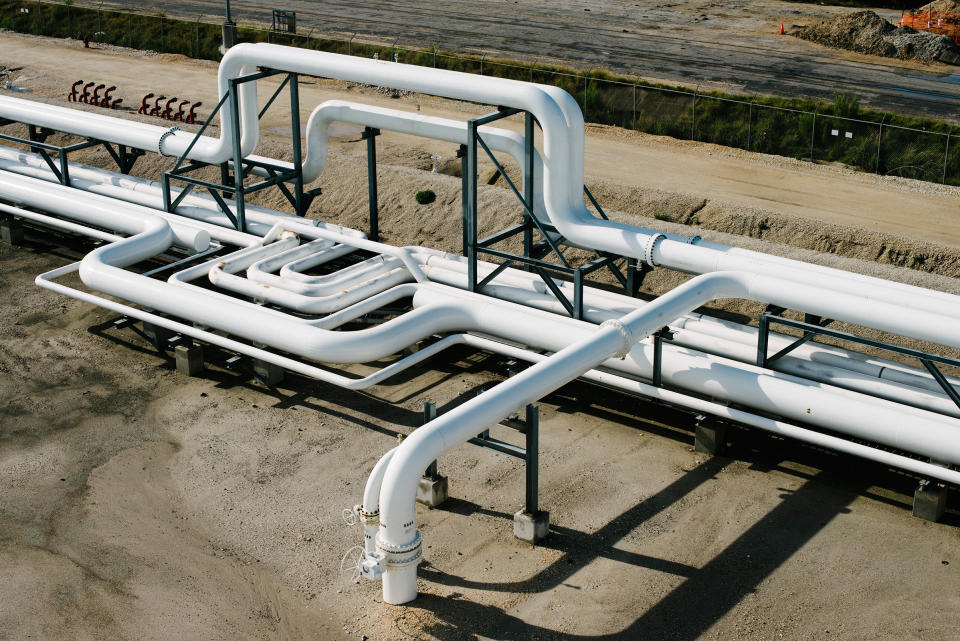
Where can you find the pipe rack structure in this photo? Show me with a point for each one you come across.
(282, 289)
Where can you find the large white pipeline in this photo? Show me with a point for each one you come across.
(861, 300)
(726, 340)
(563, 144)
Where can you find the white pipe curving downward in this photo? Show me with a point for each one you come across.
(398, 540)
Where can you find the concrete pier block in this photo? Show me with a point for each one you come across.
(189, 359)
(531, 527)
(929, 501)
(432, 491)
(11, 231)
(710, 435)
(267, 373)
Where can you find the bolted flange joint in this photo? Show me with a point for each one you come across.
(398, 556)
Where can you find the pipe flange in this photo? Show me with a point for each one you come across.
(398, 556)
(163, 137)
(693, 240)
(369, 518)
(625, 333)
(650, 246)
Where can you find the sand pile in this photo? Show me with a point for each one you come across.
(866, 32)
(942, 5)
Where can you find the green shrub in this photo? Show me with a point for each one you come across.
(425, 197)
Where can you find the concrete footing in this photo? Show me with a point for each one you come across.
(189, 359)
(531, 527)
(158, 336)
(267, 373)
(432, 491)
(929, 501)
(710, 435)
(11, 231)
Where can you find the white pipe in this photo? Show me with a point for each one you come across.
(563, 145)
(96, 210)
(57, 223)
(140, 191)
(414, 124)
(398, 537)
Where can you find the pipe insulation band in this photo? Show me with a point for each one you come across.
(650, 246)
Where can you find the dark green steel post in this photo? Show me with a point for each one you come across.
(370, 134)
(533, 459)
(237, 157)
(462, 155)
(762, 336)
(297, 150)
(430, 413)
(470, 221)
(528, 186)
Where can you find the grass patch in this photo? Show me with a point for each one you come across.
(425, 197)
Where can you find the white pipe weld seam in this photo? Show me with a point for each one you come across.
(398, 493)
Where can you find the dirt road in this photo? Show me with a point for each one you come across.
(727, 44)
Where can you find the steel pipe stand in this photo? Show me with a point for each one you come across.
(929, 501)
(11, 231)
(189, 359)
(710, 435)
(531, 527)
(432, 491)
(157, 336)
(267, 373)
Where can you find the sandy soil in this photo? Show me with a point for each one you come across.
(142, 504)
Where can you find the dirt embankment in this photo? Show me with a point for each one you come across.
(866, 32)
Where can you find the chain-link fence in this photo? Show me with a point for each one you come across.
(882, 147)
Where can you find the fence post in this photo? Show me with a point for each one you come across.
(813, 131)
(100, 25)
(163, 42)
(129, 30)
(39, 19)
(482, 56)
(879, 138)
(196, 39)
(434, 56)
(634, 126)
(585, 81)
(750, 122)
(693, 123)
(946, 156)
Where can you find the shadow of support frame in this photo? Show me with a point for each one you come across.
(288, 178)
(540, 238)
